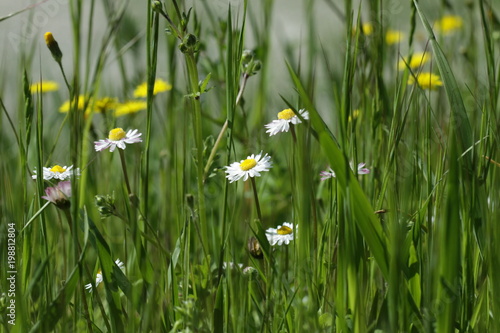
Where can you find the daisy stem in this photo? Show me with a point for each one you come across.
(224, 127)
(254, 187)
(125, 174)
(292, 130)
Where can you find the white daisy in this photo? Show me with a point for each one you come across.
(57, 172)
(282, 234)
(118, 138)
(99, 278)
(251, 167)
(285, 117)
(331, 174)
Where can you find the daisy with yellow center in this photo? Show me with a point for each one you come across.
(285, 118)
(283, 234)
(99, 278)
(394, 37)
(44, 86)
(57, 172)
(130, 107)
(160, 86)
(449, 23)
(417, 60)
(251, 167)
(118, 138)
(426, 80)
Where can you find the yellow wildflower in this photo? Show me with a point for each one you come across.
(44, 86)
(426, 80)
(417, 60)
(82, 101)
(129, 107)
(448, 23)
(160, 86)
(394, 36)
(105, 104)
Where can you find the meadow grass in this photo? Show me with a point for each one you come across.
(406, 242)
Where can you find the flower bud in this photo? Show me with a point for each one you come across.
(254, 248)
(105, 205)
(53, 47)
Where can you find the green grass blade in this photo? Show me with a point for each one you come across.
(369, 226)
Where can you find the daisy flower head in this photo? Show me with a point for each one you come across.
(284, 233)
(285, 117)
(57, 172)
(329, 173)
(251, 167)
(118, 138)
(59, 195)
(99, 278)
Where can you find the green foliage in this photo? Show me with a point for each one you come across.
(409, 245)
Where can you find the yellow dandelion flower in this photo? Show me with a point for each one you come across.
(394, 37)
(367, 28)
(105, 104)
(44, 86)
(130, 107)
(448, 23)
(426, 80)
(417, 59)
(82, 101)
(160, 86)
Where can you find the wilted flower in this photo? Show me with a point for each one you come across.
(59, 195)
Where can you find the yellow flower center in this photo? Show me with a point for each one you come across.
(57, 168)
(284, 230)
(49, 39)
(286, 114)
(248, 164)
(117, 134)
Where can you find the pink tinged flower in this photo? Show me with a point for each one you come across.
(59, 195)
(118, 138)
(327, 174)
